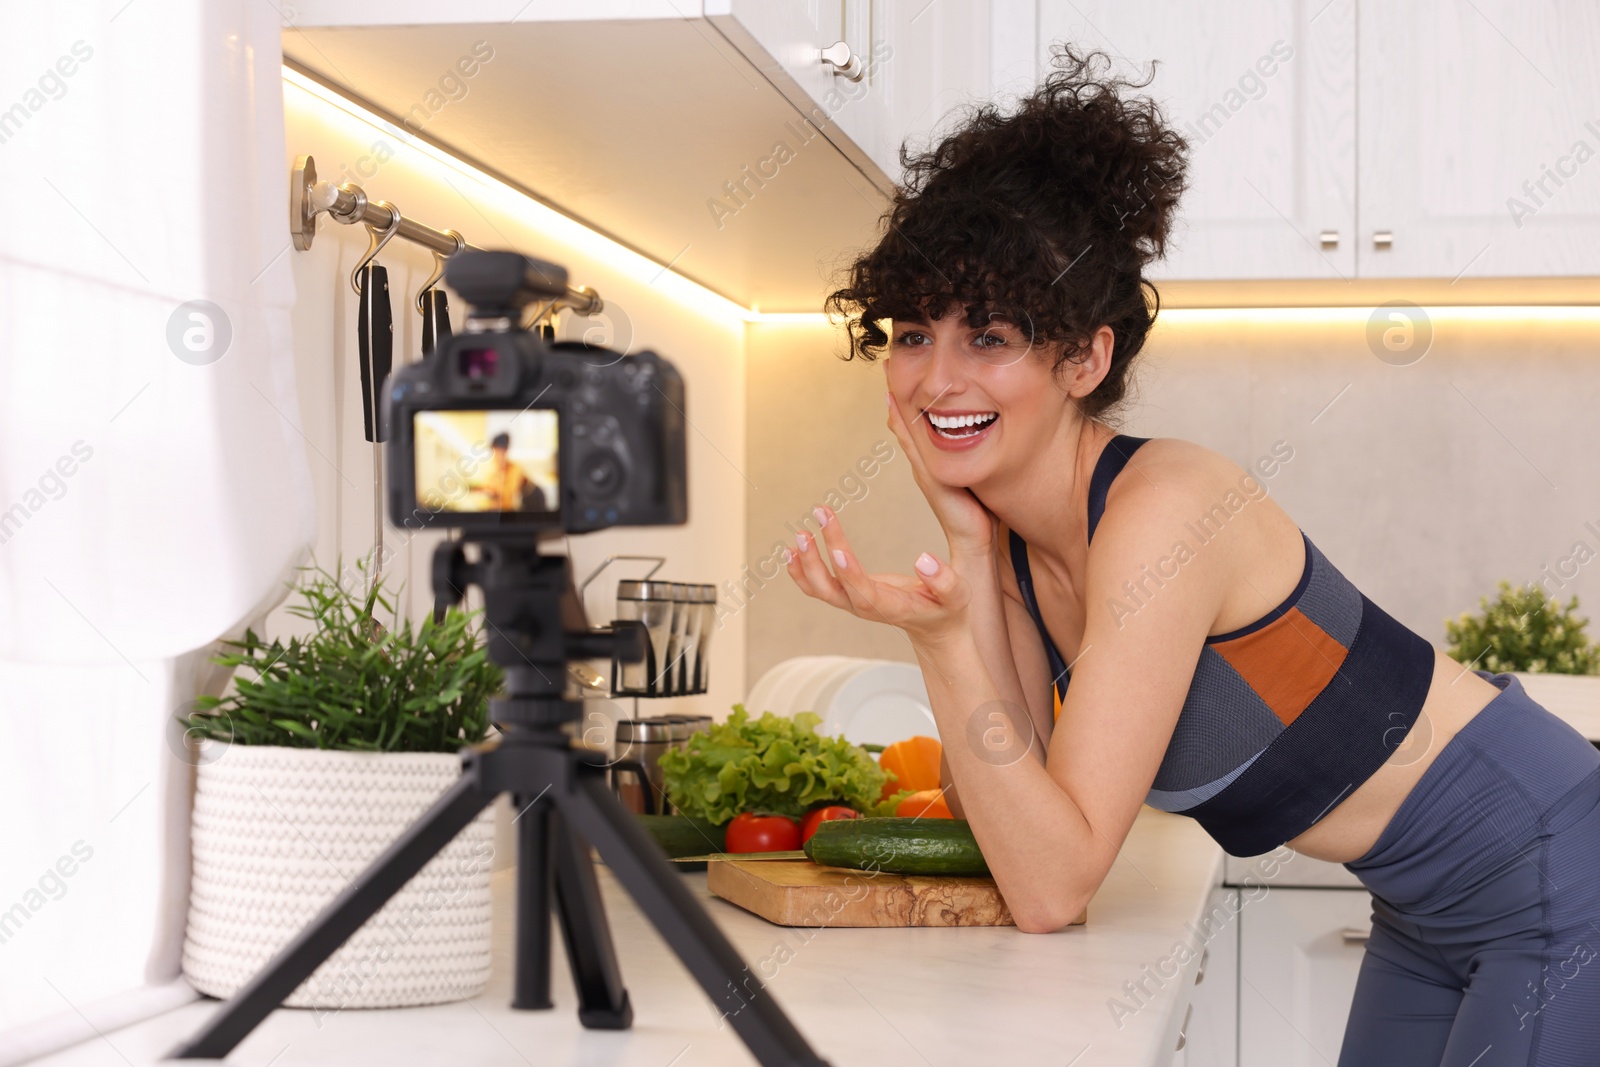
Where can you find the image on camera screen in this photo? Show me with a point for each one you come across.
(487, 460)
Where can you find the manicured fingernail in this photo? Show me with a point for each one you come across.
(802, 540)
(927, 564)
(822, 516)
(788, 557)
(838, 557)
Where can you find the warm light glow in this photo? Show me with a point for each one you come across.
(792, 318)
(676, 287)
(1323, 316)
(499, 196)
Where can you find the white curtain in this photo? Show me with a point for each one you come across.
(154, 489)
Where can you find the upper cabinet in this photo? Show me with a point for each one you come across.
(1480, 124)
(883, 71)
(1367, 139)
(754, 144)
(1265, 94)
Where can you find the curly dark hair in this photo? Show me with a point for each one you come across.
(1045, 217)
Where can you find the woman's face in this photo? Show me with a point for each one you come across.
(978, 399)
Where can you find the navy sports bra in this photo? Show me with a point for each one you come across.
(1285, 716)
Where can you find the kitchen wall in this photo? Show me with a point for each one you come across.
(1424, 484)
(646, 308)
(818, 426)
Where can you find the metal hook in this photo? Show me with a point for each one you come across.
(530, 321)
(438, 267)
(376, 241)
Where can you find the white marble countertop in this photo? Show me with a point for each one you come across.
(860, 996)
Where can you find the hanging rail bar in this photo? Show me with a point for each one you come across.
(348, 204)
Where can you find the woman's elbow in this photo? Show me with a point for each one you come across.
(1045, 916)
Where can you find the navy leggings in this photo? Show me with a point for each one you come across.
(1485, 948)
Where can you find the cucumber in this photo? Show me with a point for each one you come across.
(682, 835)
(898, 846)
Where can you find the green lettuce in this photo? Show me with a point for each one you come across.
(776, 764)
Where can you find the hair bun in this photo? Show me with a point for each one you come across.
(1109, 152)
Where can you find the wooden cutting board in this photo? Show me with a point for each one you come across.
(803, 893)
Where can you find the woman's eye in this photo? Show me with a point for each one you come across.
(910, 337)
(990, 340)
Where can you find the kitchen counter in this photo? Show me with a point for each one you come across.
(861, 996)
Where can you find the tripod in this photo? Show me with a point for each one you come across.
(534, 619)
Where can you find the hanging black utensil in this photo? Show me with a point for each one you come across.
(375, 333)
(435, 319)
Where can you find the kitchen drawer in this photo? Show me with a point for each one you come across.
(1300, 952)
(1211, 1035)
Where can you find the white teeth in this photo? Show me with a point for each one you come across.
(956, 422)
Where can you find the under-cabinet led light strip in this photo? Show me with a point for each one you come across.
(1359, 315)
(513, 202)
(675, 286)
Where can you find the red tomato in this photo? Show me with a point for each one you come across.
(818, 816)
(750, 832)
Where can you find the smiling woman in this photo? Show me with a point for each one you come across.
(1255, 689)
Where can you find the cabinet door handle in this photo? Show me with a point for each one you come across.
(1383, 240)
(1330, 239)
(843, 61)
(1355, 935)
(1184, 1030)
(1200, 975)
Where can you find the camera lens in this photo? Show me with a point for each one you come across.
(602, 473)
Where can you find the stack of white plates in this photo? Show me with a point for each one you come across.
(868, 701)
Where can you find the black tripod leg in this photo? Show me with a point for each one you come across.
(659, 891)
(360, 900)
(602, 1000)
(531, 981)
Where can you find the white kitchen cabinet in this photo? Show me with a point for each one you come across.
(1479, 135)
(785, 40)
(1211, 1038)
(1299, 954)
(791, 34)
(917, 59)
(1264, 91)
(940, 62)
(1439, 140)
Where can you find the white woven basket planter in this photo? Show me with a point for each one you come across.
(279, 832)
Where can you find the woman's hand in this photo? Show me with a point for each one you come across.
(930, 606)
(967, 524)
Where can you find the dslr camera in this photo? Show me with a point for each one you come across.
(498, 429)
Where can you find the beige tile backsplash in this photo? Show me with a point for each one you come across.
(1424, 484)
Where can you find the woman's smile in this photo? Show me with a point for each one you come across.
(959, 430)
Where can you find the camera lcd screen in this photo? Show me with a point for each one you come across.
(487, 461)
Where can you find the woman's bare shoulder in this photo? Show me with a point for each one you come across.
(1170, 467)
(1169, 480)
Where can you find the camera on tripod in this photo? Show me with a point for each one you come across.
(500, 430)
(508, 437)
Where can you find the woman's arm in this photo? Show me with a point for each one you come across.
(977, 542)
(1050, 831)
(1022, 651)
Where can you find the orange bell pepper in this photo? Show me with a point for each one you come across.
(915, 763)
(928, 803)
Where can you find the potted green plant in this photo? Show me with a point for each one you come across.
(1534, 636)
(328, 746)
